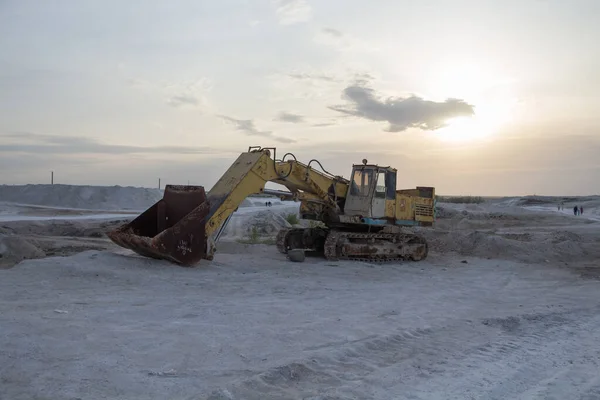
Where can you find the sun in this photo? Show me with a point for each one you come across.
(488, 120)
(462, 129)
(489, 92)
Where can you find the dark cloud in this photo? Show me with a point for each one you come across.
(183, 100)
(247, 126)
(290, 117)
(332, 32)
(401, 113)
(28, 142)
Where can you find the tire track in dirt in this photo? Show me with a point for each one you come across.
(533, 362)
(496, 357)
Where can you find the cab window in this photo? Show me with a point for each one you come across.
(380, 186)
(361, 181)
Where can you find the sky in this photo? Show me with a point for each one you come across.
(473, 97)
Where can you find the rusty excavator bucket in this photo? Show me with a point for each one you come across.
(172, 229)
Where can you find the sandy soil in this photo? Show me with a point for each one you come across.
(505, 306)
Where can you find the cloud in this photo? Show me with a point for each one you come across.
(307, 84)
(28, 142)
(318, 77)
(291, 12)
(16, 162)
(319, 86)
(402, 113)
(289, 117)
(183, 100)
(363, 78)
(344, 42)
(324, 124)
(188, 94)
(182, 94)
(247, 126)
(332, 32)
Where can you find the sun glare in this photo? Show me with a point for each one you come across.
(486, 122)
(462, 129)
(491, 95)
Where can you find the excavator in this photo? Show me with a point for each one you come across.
(364, 218)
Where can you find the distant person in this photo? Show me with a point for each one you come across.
(575, 210)
(580, 210)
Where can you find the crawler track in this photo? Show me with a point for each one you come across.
(310, 239)
(375, 247)
(280, 241)
(359, 246)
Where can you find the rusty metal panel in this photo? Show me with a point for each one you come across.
(172, 229)
(390, 209)
(426, 192)
(404, 207)
(408, 192)
(424, 209)
(416, 204)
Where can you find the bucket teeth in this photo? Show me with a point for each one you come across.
(172, 229)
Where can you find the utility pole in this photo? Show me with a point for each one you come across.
(158, 183)
(52, 177)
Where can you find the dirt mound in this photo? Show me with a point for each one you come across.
(257, 225)
(14, 249)
(461, 219)
(260, 201)
(456, 217)
(535, 201)
(82, 197)
(475, 212)
(553, 200)
(565, 236)
(82, 228)
(442, 212)
(535, 247)
(267, 223)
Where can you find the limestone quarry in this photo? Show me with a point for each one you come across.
(505, 306)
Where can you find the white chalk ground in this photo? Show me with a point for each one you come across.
(505, 307)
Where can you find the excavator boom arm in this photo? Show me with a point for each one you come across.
(252, 170)
(184, 226)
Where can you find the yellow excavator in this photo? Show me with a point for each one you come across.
(365, 218)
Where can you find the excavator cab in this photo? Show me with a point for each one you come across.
(372, 190)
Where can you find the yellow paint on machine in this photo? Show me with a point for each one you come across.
(404, 207)
(390, 208)
(415, 204)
